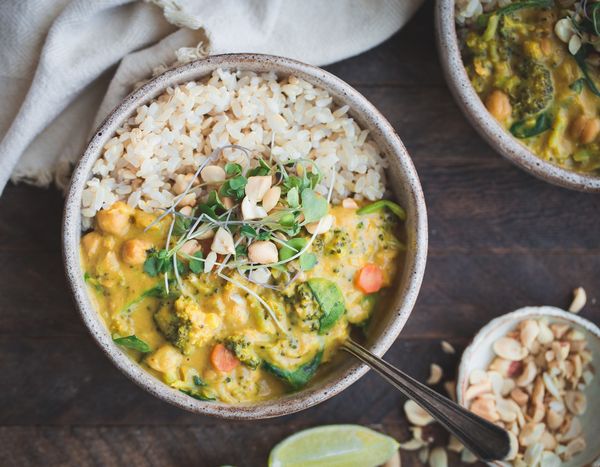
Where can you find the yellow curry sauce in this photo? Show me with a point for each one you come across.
(181, 329)
(533, 84)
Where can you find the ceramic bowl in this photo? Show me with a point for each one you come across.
(487, 126)
(402, 178)
(479, 354)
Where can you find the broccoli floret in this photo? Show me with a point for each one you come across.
(534, 91)
(339, 244)
(243, 350)
(175, 329)
(319, 304)
(306, 307)
(185, 325)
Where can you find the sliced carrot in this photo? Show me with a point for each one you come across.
(223, 359)
(369, 278)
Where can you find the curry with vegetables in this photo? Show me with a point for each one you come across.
(245, 295)
(534, 63)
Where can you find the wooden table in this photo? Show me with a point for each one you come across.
(499, 240)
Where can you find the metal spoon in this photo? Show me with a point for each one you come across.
(484, 439)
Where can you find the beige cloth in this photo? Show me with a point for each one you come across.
(57, 63)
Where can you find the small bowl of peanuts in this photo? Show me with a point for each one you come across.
(532, 372)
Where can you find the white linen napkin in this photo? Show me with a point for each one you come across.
(58, 59)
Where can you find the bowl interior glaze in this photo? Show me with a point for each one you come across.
(402, 180)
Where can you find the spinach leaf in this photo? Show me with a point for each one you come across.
(527, 128)
(580, 59)
(329, 297)
(298, 377)
(314, 206)
(133, 342)
(379, 205)
(201, 395)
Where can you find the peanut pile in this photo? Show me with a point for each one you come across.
(534, 388)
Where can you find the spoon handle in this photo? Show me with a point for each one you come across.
(484, 439)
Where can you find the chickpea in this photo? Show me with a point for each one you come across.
(585, 129)
(134, 251)
(546, 45)
(499, 105)
(165, 360)
(116, 219)
(91, 243)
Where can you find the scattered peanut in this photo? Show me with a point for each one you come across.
(579, 299)
(213, 174)
(263, 252)
(271, 198)
(435, 374)
(222, 244)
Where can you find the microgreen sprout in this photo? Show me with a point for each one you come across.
(300, 205)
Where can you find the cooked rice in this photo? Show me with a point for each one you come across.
(288, 119)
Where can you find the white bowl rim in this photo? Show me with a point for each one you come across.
(72, 227)
(487, 126)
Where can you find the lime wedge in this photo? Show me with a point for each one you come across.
(334, 446)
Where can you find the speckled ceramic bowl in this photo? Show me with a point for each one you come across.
(402, 179)
(479, 354)
(482, 120)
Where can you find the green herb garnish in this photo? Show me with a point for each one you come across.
(95, 283)
(314, 206)
(133, 342)
(195, 263)
(482, 20)
(379, 205)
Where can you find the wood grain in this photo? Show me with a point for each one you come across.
(499, 240)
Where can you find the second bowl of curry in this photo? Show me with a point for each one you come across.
(525, 72)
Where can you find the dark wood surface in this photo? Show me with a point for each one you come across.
(499, 240)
